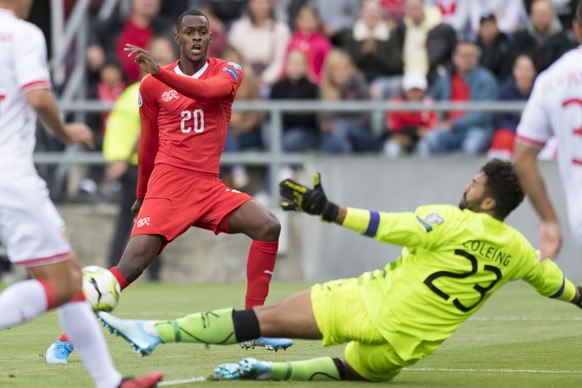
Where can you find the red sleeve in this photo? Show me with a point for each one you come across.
(218, 86)
(148, 141)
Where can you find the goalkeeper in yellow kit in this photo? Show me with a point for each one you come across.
(453, 259)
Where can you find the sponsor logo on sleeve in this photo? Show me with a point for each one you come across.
(434, 218)
(232, 72)
(423, 223)
(235, 66)
(139, 100)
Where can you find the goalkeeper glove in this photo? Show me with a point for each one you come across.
(298, 197)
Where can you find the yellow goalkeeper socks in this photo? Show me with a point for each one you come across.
(210, 327)
(316, 369)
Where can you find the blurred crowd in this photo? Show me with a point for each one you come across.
(331, 50)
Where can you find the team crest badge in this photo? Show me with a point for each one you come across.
(139, 100)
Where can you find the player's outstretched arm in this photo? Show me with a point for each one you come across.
(530, 177)
(298, 197)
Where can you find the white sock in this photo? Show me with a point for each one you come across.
(22, 302)
(80, 324)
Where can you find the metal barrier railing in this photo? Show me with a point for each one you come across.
(274, 157)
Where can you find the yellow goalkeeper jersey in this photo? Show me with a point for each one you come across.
(452, 261)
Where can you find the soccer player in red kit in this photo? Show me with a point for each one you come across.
(185, 110)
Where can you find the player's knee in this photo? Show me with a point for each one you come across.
(270, 229)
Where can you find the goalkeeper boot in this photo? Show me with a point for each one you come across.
(246, 369)
(58, 352)
(133, 332)
(145, 381)
(267, 343)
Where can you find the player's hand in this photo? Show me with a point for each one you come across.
(136, 207)
(143, 58)
(79, 133)
(550, 240)
(298, 197)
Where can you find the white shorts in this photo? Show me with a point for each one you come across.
(31, 229)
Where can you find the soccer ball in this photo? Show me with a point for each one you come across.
(101, 288)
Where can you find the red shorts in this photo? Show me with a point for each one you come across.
(179, 199)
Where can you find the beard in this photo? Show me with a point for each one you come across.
(469, 204)
(463, 201)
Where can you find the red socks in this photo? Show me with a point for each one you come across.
(260, 266)
(120, 278)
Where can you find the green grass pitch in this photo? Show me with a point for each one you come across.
(519, 339)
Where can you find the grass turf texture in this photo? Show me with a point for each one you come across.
(519, 339)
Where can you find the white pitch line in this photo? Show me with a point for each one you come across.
(508, 318)
(526, 318)
(473, 370)
(198, 379)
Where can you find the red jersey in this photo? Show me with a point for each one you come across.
(184, 119)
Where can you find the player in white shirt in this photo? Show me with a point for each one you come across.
(30, 227)
(554, 108)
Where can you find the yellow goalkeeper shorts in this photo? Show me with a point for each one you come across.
(342, 317)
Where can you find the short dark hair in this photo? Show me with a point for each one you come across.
(503, 186)
(190, 12)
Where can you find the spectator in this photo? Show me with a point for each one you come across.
(517, 86)
(564, 9)
(374, 49)
(109, 37)
(470, 132)
(300, 130)
(509, 14)
(269, 37)
(337, 16)
(345, 132)
(494, 47)
(418, 21)
(244, 132)
(455, 13)
(543, 39)
(120, 152)
(110, 86)
(309, 38)
(405, 129)
(426, 42)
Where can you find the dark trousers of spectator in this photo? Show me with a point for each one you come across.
(124, 223)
